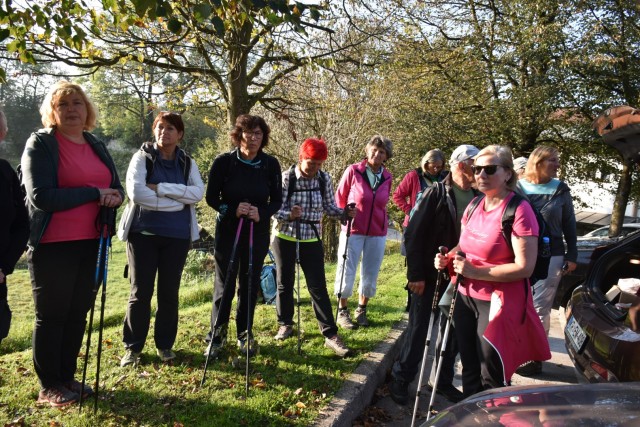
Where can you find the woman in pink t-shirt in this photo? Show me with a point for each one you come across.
(69, 176)
(493, 335)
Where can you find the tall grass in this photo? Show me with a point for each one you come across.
(285, 388)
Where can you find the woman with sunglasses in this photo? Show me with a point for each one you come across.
(496, 325)
(552, 198)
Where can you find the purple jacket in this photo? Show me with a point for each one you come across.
(371, 206)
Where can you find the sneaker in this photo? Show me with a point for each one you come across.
(284, 332)
(242, 346)
(361, 316)
(530, 368)
(336, 344)
(57, 396)
(130, 358)
(449, 391)
(165, 355)
(344, 320)
(217, 342)
(399, 391)
(77, 387)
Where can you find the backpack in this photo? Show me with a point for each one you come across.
(292, 184)
(268, 283)
(541, 270)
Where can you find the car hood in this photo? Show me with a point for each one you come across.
(602, 404)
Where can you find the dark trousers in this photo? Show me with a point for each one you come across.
(225, 280)
(312, 264)
(408, 363)
(147, 256)
(481, 365)
(450, 351)
(5, 311)
(62, 282)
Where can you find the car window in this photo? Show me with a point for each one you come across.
(601, 232)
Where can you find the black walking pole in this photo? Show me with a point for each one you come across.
(434, 306)
(248, 336)
(222, 299)
(344, 257)
(111, 221)
(445, 337)
(298, 276)
(105, 226)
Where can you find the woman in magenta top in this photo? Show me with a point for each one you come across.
(367, 185)
(68, 175)
(496, 326)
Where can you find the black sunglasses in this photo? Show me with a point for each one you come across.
(489, 169)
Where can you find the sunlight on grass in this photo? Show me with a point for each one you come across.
(285, 388)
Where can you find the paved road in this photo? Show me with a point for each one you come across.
(384, 412)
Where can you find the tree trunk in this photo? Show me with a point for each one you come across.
(330, 235)
(237, 86)
(622, 197)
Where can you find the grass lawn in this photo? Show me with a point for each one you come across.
(285, 388)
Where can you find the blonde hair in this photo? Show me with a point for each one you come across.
(59, 90)
(432, 156)
(539, 155)
(505, 157)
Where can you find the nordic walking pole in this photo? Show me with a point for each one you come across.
(434, 306)
(109, 223)
(96, 284)
(445, 338)
(248, 337)
(344, 257)
(224, 290)
(298, 276)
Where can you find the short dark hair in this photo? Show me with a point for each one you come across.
(247, 122)
(174, 119)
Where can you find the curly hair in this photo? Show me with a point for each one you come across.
(60, 90)
(247, 122)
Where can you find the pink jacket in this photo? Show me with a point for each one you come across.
(515, 330)
(408, 188)
(371, 206)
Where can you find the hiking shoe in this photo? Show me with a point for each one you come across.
(165, 355)
(530, 369)
(344, 320)
(449, 391)
(284, 332)
(242, 345)
(399, 391)
(77, 387)
(217, 342)
(57, 396)
(336, 344)
(361, 316)
(130, 358)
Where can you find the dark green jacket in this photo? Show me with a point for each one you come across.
(39, 166)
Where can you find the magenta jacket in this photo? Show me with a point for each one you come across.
(371, 206)
(409, 188)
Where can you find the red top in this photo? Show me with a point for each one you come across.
(78, 166)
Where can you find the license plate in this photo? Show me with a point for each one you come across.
(576, 335)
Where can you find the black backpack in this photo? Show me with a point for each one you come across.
(292, 184)
(541, 270)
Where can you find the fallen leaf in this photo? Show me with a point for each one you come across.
(301, 405)
(144, 374)
(298, 391)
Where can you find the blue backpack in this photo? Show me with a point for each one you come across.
(268, 283)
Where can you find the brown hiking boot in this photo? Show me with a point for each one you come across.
(338, 346)
(57, 396)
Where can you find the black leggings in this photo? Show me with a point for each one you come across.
(62, 283)
(482, 367)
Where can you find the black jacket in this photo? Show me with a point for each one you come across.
(432, 224)
(14, 219)
(40, 177)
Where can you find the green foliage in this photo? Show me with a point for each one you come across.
(286, 388)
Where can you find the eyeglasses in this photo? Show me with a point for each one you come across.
(251, 134)
(489, 169)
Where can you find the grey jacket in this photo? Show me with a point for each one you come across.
(557, 211)
(39, 165)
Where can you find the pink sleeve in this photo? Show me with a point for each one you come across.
(525, 222)
(343, 188)
(402, 192)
